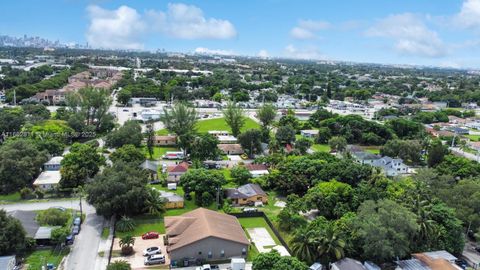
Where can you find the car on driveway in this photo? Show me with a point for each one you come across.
(152, 251)
(154, 259)
(76, 230)
(204, 267)
(150, 235)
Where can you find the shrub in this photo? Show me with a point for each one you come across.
(53, 217)
(26, 193)
(119, 265)
(125, 224)
(39, 193)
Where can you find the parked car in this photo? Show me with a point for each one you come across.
(204, 267)
(150, 235)
(77, 221)
(154, 259)
(152, 251)
(249, 210)
(214, 267)
(477, 249)
(69, 239)
(76, 230)
(462, 263)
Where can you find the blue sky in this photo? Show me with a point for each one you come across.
(394, 32)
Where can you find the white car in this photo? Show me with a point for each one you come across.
(154, 259)
(152, 251)
(204, 267)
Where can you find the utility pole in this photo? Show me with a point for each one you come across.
(14, 97)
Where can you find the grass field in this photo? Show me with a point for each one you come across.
(12, 197)
(158, 151)
(372, 149)
(321, 148)
(144, 224)
(270, 209)
(38, 258)
(258, 222)
(474, 138)
(203, 126)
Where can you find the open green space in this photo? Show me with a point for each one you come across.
(158, 151)
(258, 222)
(372, 149)
(12, 197)
(204, 126)
(474, 138)
(144, 224)
(321, 148)
(39, 258)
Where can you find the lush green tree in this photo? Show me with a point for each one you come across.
(302, 145)
(205, 183)
(204, 147)
(235, 118)
(181, 120)
(285, 135)
(338, 143)
(11, 120)
(323, 136)
(265, 261)
(291, 263)
(119, 265)
(290, 120)
(458, 166)
(406, 129)
(266, 114)
(125, 224)
(154, 204)
(36, 112)
(123, 96)
(20, 163)
(81, 163)
(320, 115)
(53, 217)
(119, 190)
(129, 133)
(386, 229)
(304, 245)
(59, 235)
(128, 153)
(332, 199)
(436, 153)
(250, 141)
(150, 138)
(409, 151)
(329, 244)
(12, 235)
(92, 106)
(240, 175)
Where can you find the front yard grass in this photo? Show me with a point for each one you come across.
(158, 151)
(39, 258)
(321, 148)
(203, 126)
(12, 197)
(144, 224)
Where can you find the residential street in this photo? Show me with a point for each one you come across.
(84, 252)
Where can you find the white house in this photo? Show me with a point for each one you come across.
(227, 139)
(53, 164)
(47, 180)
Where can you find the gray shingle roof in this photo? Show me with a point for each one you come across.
(245, 191)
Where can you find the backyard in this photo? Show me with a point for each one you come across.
(39, 258)
(204, 126)
(158, 151)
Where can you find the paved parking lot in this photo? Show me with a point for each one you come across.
(136, 259)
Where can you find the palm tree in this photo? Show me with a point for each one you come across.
(154, 204)
(329, 244)
(126, 243)
(303, 245)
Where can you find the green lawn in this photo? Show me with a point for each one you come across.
(12, 197)
(321, 148)
(36, 259)
(158, 151)
(372, 149)
(204, 126)
(258, 222)
(474, 138)
(270, 209)
(144, 224)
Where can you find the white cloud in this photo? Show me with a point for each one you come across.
(306, 29)
(188, 22)
(469, 16)
(202, 50)
(263, 54)
(410, 34)
(117, 29)
(306, 53)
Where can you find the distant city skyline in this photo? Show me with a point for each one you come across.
(374, 31)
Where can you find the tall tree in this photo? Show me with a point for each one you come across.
(234, 116)
(12, 235)
(150, 139)
(129, 133)
(436, 153)
(205, 184)
(81, 163)
(250, 141)
(285, 135)
(128, 153)
(92, 104)
(204, 147)
(181, 120)
(266, 114)
(338, 143)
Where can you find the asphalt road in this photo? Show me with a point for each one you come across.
(84, 252)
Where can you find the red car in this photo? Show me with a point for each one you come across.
(150, 235)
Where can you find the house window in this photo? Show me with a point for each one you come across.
(244, 251)
(210, 255)
(222, 253)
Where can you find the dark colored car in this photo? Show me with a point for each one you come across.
(214, 267)
(150, 235)
(462, 263)
(76, 230)
(70, 239)
(477, 249)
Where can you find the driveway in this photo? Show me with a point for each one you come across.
(136, 260)
(84, 252)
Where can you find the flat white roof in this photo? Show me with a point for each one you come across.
(48, 177)
(227, 138)
(234, 157)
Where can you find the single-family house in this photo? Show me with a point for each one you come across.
(53, 164)
(347, 264)
(217, 133)
(392, 166)
(206, 235)
(231, 149)
(174, 172)
(7, 262)
(473, 124)
(47, 180)
(172, 200)
(435, 260)
(459, 131)
(309, 133)
(257, 170)
(152, 167)
(249, 194)
(167, 140)
(226, 139)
